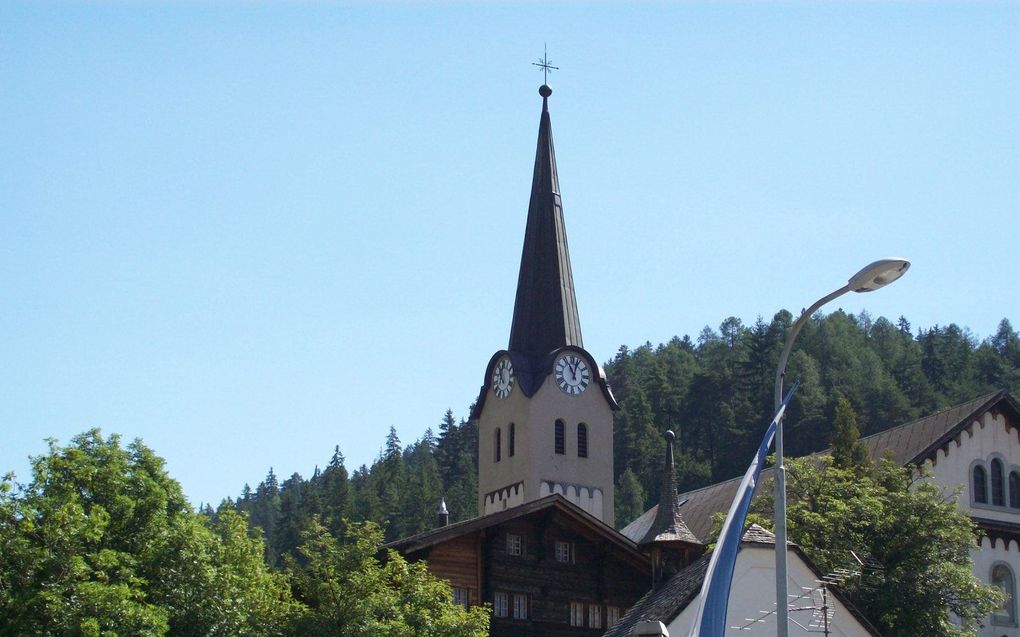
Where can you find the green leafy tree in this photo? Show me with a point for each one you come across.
(103, 542)
(348, 591)
(909, 527)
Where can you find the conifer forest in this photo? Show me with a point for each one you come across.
(714, 392)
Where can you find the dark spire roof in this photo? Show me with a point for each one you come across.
(669, 525)
(545, 312)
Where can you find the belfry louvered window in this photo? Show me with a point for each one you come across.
(559, 438)
(582, 440)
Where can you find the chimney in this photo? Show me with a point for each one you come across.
(442, 515)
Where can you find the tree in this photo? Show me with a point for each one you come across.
(103, 542)
(907, 525)
(847, 449)
(630, 498)
(349, 592)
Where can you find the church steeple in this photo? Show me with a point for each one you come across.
(545, 311)
(545, 410)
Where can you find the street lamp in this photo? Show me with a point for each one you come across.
(870, 278)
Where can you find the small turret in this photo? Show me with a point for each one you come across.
(673, 545)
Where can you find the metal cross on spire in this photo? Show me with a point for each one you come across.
(543, 63)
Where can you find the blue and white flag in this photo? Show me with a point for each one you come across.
(715, 590)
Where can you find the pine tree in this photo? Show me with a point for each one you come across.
(848, 452)
(630, 498)
(335, 494)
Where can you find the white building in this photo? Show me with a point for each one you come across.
(674, 605)
(973, 447)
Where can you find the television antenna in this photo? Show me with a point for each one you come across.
(815, 599)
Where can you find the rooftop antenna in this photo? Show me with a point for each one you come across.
(545, 64)
(815, 599)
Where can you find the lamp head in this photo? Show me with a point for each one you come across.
(878, 274)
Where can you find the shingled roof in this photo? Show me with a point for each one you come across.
(912, 443)
(556, 501)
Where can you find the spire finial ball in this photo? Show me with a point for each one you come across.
(545, 90)
(670, 436)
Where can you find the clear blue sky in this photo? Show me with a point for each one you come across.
(248, 232)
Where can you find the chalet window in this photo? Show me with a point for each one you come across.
(499, 604)
(520, 606)
(997, 486)
(594, 616)
(498, 444)
(514, 544)
(582, 440)
(559, 438)
(1014, 490)
(1002, 576)
(612, 616)
(460, 596)
(577, 614)
(510, 441)
(564, 552)
(980, 485)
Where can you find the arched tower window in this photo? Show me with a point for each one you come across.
(511, 440)
(582, 440)
(1014, 490)
(559, 438)
(998, 497)
(498, 445)
(980, 485)
(1002, 576)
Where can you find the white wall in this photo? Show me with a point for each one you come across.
(754, 589)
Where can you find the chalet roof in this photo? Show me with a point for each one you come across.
(664, 604)
(911, 443)
(668, 524)
(545, 311)
(555, 501)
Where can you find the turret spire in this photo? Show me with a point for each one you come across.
(672, 543)
(545, 312)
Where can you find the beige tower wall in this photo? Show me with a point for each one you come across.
(535, 470)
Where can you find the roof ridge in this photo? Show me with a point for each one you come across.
(985, 398)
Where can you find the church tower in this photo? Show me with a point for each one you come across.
(545, 412)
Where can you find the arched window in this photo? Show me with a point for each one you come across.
(498, 445)
(559, 440)
(1002, 576)
(1014, 490)
(998, 497)
(980, 485)
(510, 441)
(582, 440)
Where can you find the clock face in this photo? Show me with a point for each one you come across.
(503, 378)
(572, 374)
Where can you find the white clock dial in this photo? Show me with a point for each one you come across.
(503, 378)
(572, 374)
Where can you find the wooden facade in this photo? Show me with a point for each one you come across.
(544, 567)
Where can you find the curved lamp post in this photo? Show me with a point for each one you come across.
(876, 275)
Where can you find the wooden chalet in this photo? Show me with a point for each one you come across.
(547, 567)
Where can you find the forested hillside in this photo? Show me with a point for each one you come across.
(715, 392)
